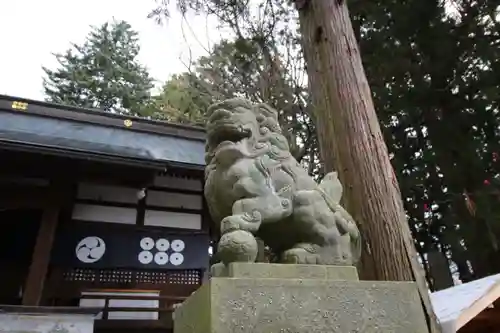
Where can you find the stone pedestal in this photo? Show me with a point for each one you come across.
(264, 298)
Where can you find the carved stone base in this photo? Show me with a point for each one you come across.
(264, 298)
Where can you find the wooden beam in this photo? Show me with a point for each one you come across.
(491, 314)
(480, 306)
(43, 246)
(22, 197)
(483, 323)
(40, 166)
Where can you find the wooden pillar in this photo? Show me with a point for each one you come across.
(43, 246)
(351, 142)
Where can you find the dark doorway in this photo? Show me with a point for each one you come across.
(18, 233)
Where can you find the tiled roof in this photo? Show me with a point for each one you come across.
(61, 130)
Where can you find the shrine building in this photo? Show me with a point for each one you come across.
(100, 211)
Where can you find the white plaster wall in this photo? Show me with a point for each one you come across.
(173, 200)
(98, 213)
(46, 323)
(172, 219)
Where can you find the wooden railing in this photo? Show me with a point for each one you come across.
(159, 290)
(164, 311)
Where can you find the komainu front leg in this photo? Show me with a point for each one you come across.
(237, 242)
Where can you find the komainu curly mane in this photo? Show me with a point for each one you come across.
(254, 187)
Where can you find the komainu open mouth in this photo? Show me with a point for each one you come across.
(228, 134)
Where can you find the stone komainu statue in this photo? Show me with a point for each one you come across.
(254, 187)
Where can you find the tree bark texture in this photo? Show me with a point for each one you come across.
(351, 142)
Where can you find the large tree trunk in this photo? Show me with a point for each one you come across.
(351, 142)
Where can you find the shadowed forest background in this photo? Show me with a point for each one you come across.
(434, 71)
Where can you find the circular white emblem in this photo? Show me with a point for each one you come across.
(161, 258)
(162, 244)
(147, 243)
(145, 257)
(176, 259)
(178, 245)
(90, 249)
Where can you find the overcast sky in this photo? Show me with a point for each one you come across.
(31, 30)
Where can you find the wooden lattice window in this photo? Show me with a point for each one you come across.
(80, 275)
(127, 276)
(115, 276)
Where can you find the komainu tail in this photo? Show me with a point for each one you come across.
(330, 184)
(332, 189)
